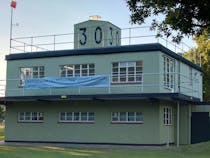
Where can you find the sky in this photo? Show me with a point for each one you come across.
(45, 17)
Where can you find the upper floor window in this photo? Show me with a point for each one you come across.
(127, 72)
(168, 68)
(77, 70)
(31, 72)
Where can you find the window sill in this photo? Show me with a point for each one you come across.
(30, 122)
(168, 124)
(68, 122)
(118, 83)
(127, 122)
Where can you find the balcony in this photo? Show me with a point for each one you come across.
(152, 83)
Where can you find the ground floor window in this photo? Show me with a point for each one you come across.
(30, 117)
(76, 117)
(127, 117)
(167, 115)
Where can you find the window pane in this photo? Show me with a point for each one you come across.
(115, 116)
(27, 116)
(115, 64)
(34, 116)
(84, 72)
(139, 117)
(69, 116)
(84, 116)
(21, 116)
(76, 116)
(131, 116)
(91, 116)
(91, 66)
(62, 116)
(123, 116)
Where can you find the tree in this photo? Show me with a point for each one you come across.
(201, 56)
(186, 17)
(1, 112)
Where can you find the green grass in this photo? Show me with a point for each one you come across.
(1, 132)
(201, 150)
(192, 151)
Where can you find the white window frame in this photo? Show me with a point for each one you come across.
(29, 117)
(169, 72)
(134, 76)
(70, 70)
(76, 118)
(116, 117)
(167, 115)
(29, 72)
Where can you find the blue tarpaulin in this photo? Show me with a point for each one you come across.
(67, 82)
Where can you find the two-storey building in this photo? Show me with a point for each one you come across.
(101, 92)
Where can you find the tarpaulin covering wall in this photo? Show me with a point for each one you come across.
(67, 82)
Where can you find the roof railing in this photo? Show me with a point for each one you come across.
(129, 36)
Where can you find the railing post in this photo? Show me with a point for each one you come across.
(79, 90)
(23, 91)
(54, 42)
(109, 88)
(50, 91)
(142, 84)
(31, 44)
(129, 36)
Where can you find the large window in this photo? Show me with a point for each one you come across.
(167, 115)
(127, 72)
(30, 117)
(127, 117)
(77, 70)
(77, 117)
(31, 72)
(168, 68)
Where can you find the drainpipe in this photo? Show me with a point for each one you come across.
(177, 132)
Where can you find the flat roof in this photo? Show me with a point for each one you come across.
(104, 50)
(149, 96)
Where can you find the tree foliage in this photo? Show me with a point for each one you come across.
(186, 17)
(1, 112)
(201, 56)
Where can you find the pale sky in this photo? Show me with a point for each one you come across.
(43, 17)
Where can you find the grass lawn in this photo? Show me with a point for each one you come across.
(1, 132)
(201, 150)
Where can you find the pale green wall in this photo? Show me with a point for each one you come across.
(201, 108)
(102, 131)
(152, 74)
(185, 124)
(102, 66)
(90, 27)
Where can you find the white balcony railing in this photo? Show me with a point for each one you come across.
(151, 83)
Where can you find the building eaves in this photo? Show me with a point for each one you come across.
(105, 50)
